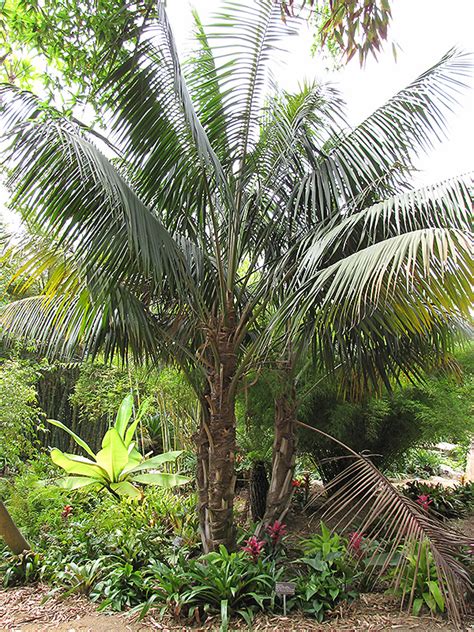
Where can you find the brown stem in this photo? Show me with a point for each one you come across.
(258, 490)
(10, 533)
(202, 440)
(284, 456)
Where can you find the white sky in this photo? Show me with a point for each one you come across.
(423, 29)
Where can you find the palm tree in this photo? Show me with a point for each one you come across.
(167, 242)
(367, 224)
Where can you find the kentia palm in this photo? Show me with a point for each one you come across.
(337, 299)
(169, 248)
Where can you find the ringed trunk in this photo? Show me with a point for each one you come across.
(283, 457)
(216, 445)
(202, 476)
(10, 533)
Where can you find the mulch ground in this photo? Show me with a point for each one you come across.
(24, 610)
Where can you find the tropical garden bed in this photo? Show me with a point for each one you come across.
(25, 609)
(97, 556)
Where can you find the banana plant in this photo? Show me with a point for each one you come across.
(118, 466)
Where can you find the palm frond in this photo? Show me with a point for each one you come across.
(245, 36)
(410, 122)
(442, 205)
(362, 498)
(167, 152)
(200, 71)
(417, 274)
(370, 358)
(375, 159)
(119, 326)
(72, 192)
(410, 255)
(293, 126)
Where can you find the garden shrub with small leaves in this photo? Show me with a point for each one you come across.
(123, 587)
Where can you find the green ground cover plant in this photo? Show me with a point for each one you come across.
(419, 571)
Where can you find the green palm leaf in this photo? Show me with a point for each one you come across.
(377, 156)
(78, 197)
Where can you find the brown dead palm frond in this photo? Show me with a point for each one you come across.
(395, 529)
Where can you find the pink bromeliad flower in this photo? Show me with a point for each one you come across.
(424, 501)
(355, 542)
(254, 547)
(276, 531)
(66, 512)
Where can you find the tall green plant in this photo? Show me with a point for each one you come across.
(20, 413)
(118, 466)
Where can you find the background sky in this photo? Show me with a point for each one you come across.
(423, 30)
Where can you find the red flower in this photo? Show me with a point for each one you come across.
(424, 501)
(276, 531)
(67, 511)
(295, 483)
(254, 547)
(355, 542)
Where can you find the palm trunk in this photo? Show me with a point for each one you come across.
(202, 476)
(283, 457)
(10, 533)
(216, 446)
(258, 490)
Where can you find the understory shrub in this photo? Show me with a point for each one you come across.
(18, 570)
(71, 526)
(144, 554)
(124, 586)
(445, 502)
(325, 576)
(418, 569)
(220, 583)
(438, 409)
(418, 462)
